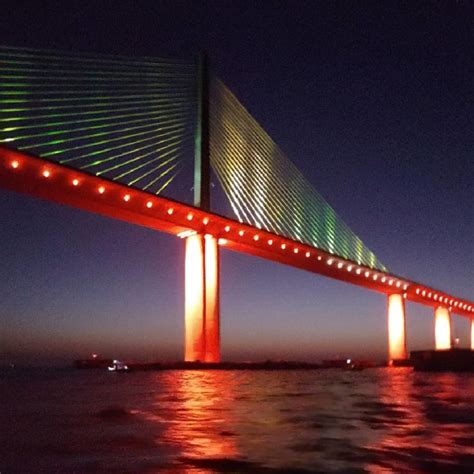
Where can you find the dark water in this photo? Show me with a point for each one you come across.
(374, 421)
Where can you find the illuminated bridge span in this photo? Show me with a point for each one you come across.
(138, 139)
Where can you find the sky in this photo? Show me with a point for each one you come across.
(373, 103)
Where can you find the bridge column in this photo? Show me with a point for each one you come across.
(442, 328)
(202, 331)
(397, 348)
(472, 334)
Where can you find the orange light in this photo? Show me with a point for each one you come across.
(405, 287)
(270, 242)
(340, 265)
(46, 173)
(359, 271)
(442, 328)
(398, 284)
(101, 190)
(396, 328)
(423, 293)
(126, 198)
(75, 182)
(295, 250)
(227, 228)
(222, 241)
(375, 277)
(205, 221)
(367, 274)
(149, 204)
(241, 233)
(170, 211)
(283, 246)
(189, 217)
(15, 164)
(256, 237)
(307, 254)
(384, 279)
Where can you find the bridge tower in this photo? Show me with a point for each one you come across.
(202, 319)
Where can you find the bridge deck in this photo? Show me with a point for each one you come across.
(27, 174)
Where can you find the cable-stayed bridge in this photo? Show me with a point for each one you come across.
(139, 139)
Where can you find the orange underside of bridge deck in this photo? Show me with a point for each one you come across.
(34, 176)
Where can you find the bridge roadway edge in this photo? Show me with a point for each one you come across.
(27, 178)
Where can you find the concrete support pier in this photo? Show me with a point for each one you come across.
(202, 325)
(472, 334)
(442, 328)
(397, 347)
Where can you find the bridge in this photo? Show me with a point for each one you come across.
(111, 135)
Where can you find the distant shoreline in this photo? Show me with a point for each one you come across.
(265, 365)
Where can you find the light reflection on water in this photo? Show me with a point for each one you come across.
(380, 420)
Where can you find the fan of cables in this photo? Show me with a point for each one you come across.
(264, 187)
(129, 120)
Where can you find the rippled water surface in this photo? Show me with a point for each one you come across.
(378, 420)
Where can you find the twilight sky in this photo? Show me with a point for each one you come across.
(371, 100)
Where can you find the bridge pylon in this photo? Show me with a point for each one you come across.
(397, 346)
(202, 312)
(442, 328)
(202, 324)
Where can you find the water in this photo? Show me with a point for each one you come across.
(378, 420)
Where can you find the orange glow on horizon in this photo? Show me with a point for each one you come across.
(396, 328)
(442, 328)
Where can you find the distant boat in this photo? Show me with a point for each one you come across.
(118, 366)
